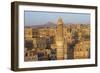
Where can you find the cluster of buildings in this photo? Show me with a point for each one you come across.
(70, 41)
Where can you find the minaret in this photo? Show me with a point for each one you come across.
(60, 40)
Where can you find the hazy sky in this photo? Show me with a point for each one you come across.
(39, 18)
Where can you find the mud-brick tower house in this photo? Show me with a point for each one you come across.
(60, 40)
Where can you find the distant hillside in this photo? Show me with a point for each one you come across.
(51, 24)
(48, 24)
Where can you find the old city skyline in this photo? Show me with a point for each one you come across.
(62, 42)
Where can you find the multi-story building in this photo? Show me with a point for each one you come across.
(82, 50)
(60, 39)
